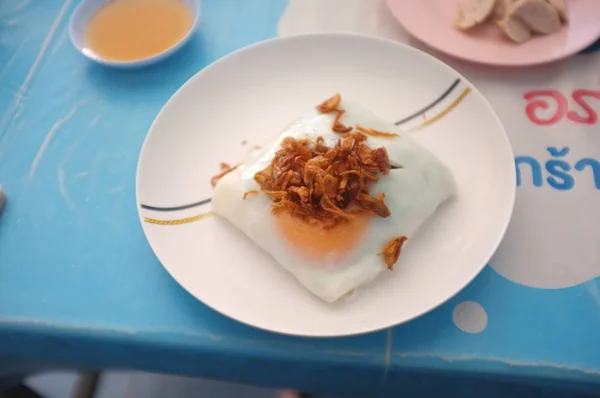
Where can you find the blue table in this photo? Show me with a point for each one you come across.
(81, 288)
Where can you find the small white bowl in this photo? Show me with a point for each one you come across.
(88, 8)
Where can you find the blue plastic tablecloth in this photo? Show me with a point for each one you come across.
(80, 286)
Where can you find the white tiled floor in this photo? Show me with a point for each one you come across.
(146, 385)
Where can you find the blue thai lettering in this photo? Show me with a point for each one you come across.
(594, 164)
(536, 169)
(560, 178)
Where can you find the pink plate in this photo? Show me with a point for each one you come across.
(431, 21)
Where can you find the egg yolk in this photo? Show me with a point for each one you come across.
(316, 243)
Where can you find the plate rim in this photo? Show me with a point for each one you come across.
(500, 63)
(346, 36)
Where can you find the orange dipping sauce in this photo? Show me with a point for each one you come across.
(130, 30)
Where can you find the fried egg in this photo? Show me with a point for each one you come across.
(333, 262)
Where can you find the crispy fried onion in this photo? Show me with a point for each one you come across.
(331, 105)
(251, 192)
(225, 169)
(391, 251)
(375, 133)
(322, 185)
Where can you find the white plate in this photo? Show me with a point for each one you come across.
(251, 95)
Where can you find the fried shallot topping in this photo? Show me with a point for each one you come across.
(375, 133)
(338, 126)
(391, 251)
(323, 185)
(331, 105)
(327, 186)
(225, 169)
(251, 192)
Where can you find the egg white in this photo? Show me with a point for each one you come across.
(412, 193)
